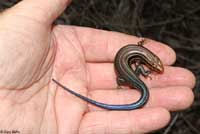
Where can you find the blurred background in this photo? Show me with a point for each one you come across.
(174, 22)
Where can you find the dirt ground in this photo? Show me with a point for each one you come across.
(174, 22)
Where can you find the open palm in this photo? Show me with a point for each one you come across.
(33, 52)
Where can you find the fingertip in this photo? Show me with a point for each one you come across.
(170, 56)
(190, 77)
(155, 119)
(172, 76)
(182, 75)
(165, 52)
(164, 114)
(185, 99)
(171, 98)
(135, 121)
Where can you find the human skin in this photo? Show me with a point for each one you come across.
(33, 51)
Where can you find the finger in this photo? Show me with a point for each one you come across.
(170, 98)
(102, 75)
(103, 45)
(41, 10)
(124, 122)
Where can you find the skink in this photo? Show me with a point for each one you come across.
(126, 56)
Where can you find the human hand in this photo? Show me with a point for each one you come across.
(33, 51)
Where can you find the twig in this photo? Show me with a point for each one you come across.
(181, 37)
(190, 125)
(171, 20)
(168, 129)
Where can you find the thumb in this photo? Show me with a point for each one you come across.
(45, 11)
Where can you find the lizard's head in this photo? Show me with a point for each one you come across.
(155, 64)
